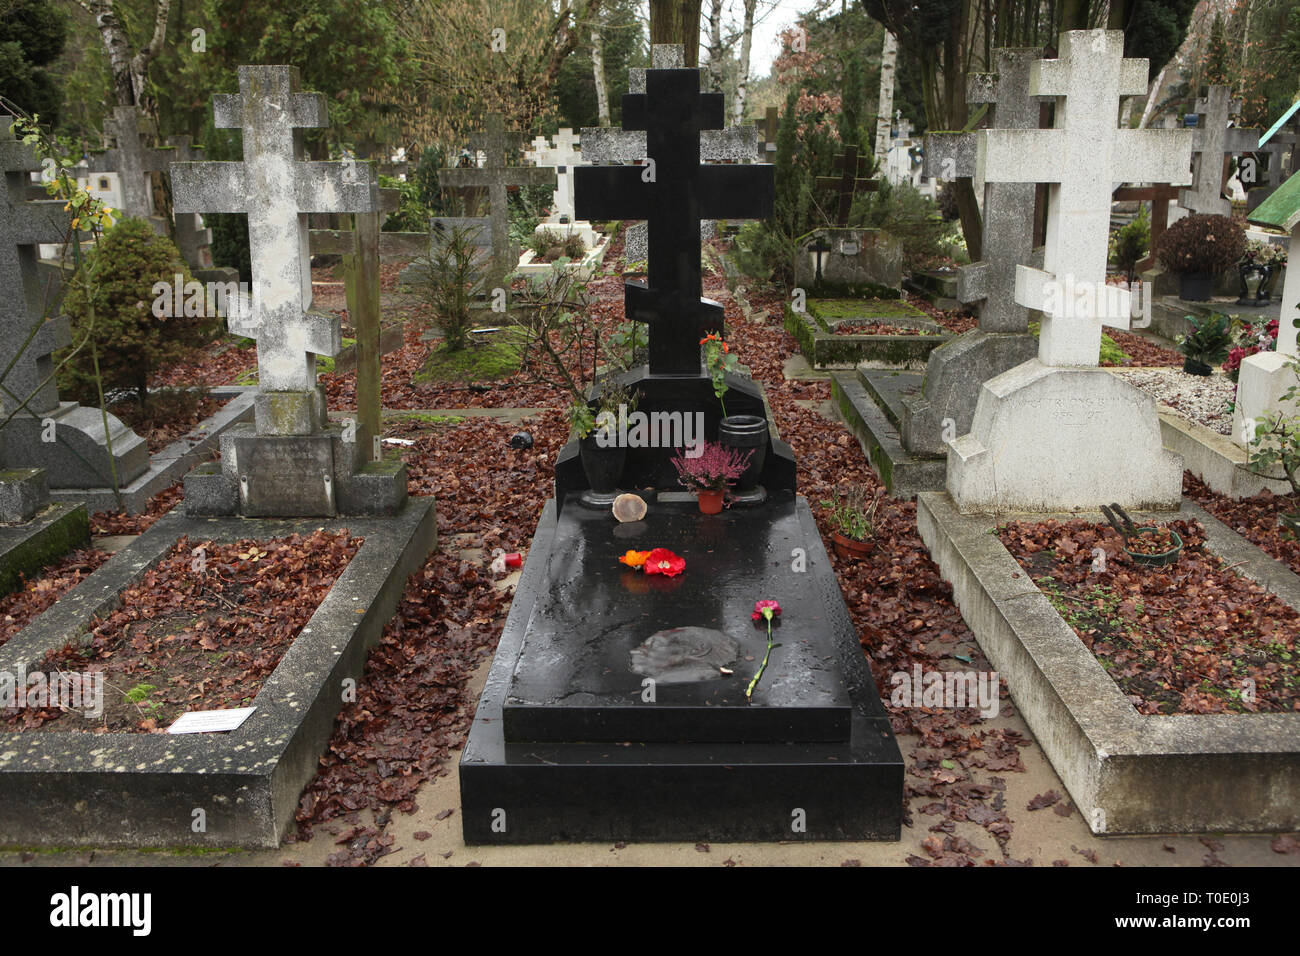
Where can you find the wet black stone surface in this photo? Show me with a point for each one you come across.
(575, 680)
(765, 785)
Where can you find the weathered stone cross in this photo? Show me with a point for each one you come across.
(853, 170)
(1080, 160)
(1213, 141)
(24, 224)
(674, 192)
(277, 190)
(1008, 207)
(499, 147)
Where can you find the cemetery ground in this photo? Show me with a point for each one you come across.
(978, 790)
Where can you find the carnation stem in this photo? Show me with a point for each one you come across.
(749, 691)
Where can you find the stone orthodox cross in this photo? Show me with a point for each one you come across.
(277, 190)
(1213, 141)
(673, 192)
(1008, 207)
(24, 225)
(1080, 160)
(853, 170)
(499, 146)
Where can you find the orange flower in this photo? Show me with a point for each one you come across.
(634, 559)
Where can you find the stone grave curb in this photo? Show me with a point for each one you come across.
(38, 543)
(1170, 774)
(1215, 459)
(939, 289)
(171, 464)
(828, 350)
(904, 476)
(82, 789)
(583, 269)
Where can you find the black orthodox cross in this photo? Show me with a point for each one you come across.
(673, 192)
(852, 172)
(819, 248)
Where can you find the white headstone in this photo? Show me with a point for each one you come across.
(1056, 433)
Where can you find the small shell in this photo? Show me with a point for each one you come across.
(629, 508)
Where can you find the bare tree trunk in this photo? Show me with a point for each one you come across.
(677, 21)
(885, 109)
(746, 46)
(716, 53)
(598, 74)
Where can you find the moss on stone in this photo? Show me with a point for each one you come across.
(830, 310)
(480, 362)
(65, 533)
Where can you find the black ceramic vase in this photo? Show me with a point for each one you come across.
(603, 468)
(746, 433)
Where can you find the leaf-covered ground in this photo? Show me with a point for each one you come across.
(1254, 518)
(40, 593)
(200, 631)
(1193, 637)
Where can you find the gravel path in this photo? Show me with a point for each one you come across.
(1198, 398)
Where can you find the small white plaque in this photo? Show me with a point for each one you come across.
(210, 721)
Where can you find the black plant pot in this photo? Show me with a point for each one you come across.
(1195, 286)
(747, 433)
(603, 468)
(1193, 367)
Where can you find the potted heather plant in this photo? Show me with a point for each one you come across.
(1198, 248)
(710, 473)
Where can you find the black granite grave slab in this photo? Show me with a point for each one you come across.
(576, 680)
(767, 786)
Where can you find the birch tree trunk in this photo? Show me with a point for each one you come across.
(885, 109)
(716, 52)
(598, 74)
(746, 45)
(130, 72)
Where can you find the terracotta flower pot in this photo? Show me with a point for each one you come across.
(848, 549)
(710, 501)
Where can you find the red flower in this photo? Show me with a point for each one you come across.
(765, 609)
(662, 561)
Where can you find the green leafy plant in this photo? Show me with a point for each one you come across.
(1201, 244)
(139, 695)
(718, 361)
(629, 343)
(1277, 437)
(1210, 339)
(852, 513)
(1129, 243)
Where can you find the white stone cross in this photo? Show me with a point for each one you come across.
(1081, 159)
(1213, 140)
(563, 156)
(277, 190)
